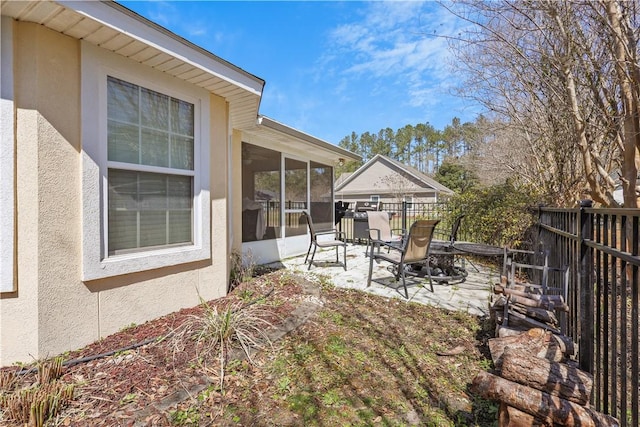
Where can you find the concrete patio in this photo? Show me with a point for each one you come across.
(471, 295)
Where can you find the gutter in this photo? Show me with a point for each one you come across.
(282, 128)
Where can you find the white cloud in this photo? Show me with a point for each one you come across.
(400, 40)
(162, 12)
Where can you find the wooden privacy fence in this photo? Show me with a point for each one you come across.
(600, 248)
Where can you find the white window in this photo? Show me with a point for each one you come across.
(374, 198)
(150, 142)
(145, 168)
(409, 201)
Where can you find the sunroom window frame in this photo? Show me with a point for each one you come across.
(98, 64)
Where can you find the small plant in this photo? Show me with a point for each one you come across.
(129, 398)
(303, 352)
(185, 417)
(49, 370)
(336, 346)
(325, 282)
(8, 380)
(241, 270)
(331, 398)
(128, 327)
(283, 384)
(39, 402)
(218, 330)
(246, 295)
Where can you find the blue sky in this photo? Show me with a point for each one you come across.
(334, 67)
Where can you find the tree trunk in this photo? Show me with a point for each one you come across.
(512, 417)
(520, 319)
(535, 341)
(540, 314)
(509, 331)
(544, 406)
(555, 302)
(627, 71)
(554, 378)
(565, 343)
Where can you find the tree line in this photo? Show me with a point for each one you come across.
(421, 146)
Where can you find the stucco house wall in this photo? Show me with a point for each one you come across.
(52, 309)
(62, 286)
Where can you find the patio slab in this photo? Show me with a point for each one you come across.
(472, 295)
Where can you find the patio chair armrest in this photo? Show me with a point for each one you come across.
(376, 232)
(393, 245)
(401, 231)
(339, 235)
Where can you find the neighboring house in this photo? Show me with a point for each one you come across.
(387, 180)
(125, 154)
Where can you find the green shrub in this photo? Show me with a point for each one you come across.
(497, 215)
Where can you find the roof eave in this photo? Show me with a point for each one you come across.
(117, 29)
(120, 18)
(297, 134)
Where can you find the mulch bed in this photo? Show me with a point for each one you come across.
(125, 388)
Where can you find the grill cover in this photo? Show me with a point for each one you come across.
(340, 210)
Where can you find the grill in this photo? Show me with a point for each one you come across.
(367, 206)
(361, 220)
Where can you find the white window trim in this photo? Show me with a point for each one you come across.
(374, 198)
(97, 63)
(7, 158)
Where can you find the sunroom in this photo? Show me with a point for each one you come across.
(281, 172)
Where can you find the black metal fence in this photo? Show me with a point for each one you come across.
(405, 213)
(600, 248)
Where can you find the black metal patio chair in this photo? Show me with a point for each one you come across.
(414, 250)
(336, 240)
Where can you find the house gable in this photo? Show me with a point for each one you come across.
(384, 176)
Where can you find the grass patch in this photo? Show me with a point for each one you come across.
(365, 360)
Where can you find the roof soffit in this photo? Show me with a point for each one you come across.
(118, 29)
